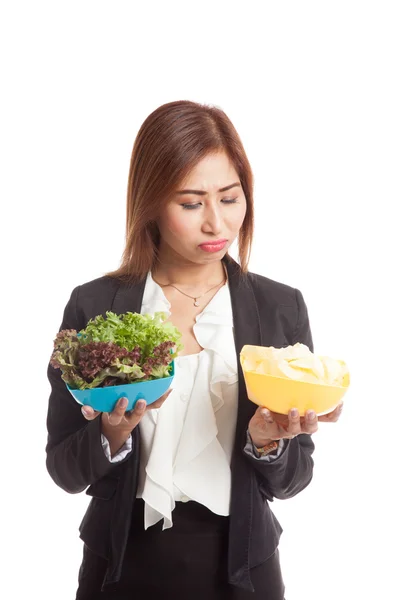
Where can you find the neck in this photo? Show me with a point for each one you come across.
(189, 276)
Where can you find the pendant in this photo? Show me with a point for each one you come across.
(195, 303)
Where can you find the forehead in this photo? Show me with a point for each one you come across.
(213, 171)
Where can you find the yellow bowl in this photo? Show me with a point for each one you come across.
(280, 394)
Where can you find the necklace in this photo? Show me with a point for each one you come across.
(194, 298)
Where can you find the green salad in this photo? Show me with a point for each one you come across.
(116, 350)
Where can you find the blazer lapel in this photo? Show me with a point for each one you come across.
(129, 298)
(247, 330)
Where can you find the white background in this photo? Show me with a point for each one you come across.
(313, 90)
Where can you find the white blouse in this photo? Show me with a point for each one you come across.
(187, 444)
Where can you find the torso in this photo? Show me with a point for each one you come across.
(183, 316)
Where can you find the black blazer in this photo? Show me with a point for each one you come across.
(265, 312)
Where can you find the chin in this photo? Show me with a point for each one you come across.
(212, 257)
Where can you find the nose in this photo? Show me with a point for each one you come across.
(212, 220)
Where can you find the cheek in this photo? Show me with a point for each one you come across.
(236, 218)
(172, 224)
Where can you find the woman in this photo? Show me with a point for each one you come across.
(181, 489)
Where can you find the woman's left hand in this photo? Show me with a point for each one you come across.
(266, 426)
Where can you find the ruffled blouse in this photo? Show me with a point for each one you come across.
(187, 444)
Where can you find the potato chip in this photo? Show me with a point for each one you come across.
(295, 362)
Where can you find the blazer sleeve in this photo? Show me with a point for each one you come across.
(75, 457)
(292, 470)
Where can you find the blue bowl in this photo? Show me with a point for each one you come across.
(104, 399)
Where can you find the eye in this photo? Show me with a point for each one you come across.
(190, 206)
(194, 206)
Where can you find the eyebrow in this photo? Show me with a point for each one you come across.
(201, 193)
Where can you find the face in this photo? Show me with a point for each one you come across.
(205, 215)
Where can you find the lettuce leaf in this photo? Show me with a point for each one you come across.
(133, 329)
(117, 349)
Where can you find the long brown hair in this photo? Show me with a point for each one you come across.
(170, 142)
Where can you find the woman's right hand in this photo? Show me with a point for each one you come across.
(119, 423)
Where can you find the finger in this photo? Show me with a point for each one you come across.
(134, 416)
(266, 415)
(139, 410)
(333, 416)
(283, 433)
(294, 427)
(158, 403)
(116, 416)
(310, 422)
(337, 412)
(89, 413)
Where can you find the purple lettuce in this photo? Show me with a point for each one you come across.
(93, 359)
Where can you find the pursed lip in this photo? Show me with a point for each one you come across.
(213, 243)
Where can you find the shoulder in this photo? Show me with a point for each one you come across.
(267, 291)
(274, 291)
(90, 299)
(283, 305)
(96, 286)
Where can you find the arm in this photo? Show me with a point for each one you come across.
(75, 455)
(251, 449)
(290, 472)
(120, 454)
